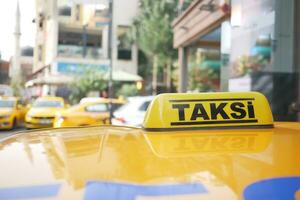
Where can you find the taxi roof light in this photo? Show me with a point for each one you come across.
(208, 111)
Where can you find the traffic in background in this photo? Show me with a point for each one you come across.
(54, 112)
(190, 146)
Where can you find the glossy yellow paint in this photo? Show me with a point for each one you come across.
(43, 116)
(13, 115)
(81, 115)
(208, 110)
(167, 144)
(224, 161)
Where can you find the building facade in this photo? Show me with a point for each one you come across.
(240, 45)
(26, 63)
(4, 72)
(72, 36)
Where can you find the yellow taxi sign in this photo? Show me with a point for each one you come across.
(208, 110)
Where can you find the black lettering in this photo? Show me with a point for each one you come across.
(237, 107)
(215, 111)
(250, 110)
(199, 107)
(181, 108)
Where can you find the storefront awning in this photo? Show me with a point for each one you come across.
(65, 79)
(206, 16)
(50, 80)
(124, 76)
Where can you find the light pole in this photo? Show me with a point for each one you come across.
(110, 56)
(84, 40)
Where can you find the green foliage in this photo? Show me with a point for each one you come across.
(152, 31)
(84, 83)
(144, 68)
(247, 64)
(127, 90)
(203, 79)
(152, 27)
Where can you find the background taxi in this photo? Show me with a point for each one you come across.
(42, 112)
(88, 112)
(11, 112)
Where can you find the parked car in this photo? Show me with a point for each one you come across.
(132, 113)
(91, 112)
(43, 110)
(91, 99)
(12, 112)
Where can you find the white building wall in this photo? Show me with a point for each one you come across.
(51, 33)
(124, 13)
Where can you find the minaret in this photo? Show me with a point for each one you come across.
(16, 68)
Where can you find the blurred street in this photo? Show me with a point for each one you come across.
(8, 133)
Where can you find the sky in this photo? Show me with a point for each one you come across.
(7, 24)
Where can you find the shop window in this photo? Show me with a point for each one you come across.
(204, 69)
(124, 47)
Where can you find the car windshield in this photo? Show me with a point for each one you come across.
(101, 107)
(6, 104)
(45, 104)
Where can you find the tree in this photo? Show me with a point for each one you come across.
(152, 31)
(91, 80)
(127, 90)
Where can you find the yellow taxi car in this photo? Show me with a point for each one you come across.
(42, 112)
(12, 112)
(191, 147)
(92, 112)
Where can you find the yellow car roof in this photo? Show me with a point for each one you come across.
(193, 146)
(50, 98)
(88, 100)
(82, 105)
(100, 162)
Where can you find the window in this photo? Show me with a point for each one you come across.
(85, 44)
(144, 106)
(48, 104)
(116, 106)
(97, 108)
(124, 47)
(65, 11)
(6, 104)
